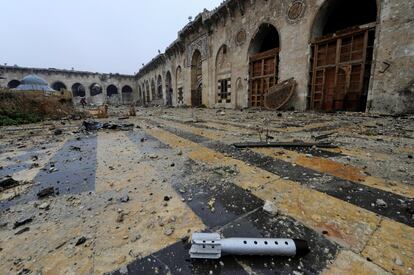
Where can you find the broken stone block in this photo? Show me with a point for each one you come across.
(21, 231)
(381, 203)
(169, 231)
(44, 206)
(270, 208)
(47, 192)
(7, 183)
(124, 199)
(80, 241)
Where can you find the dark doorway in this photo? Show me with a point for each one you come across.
(263, 64)
(13, 84)
(111, 90)
(342, 46)
(95, 89)
(159, 87)
(127, 94)
(153, 94)
(59, 86)
(78, 90)
(148, 92)
(169, 88)
(196, 80)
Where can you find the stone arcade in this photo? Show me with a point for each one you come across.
(345, 55)
(96, 88)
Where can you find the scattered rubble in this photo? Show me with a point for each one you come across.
(22, 222)
(270, 208)
(124, 199)
(7, 183)
(93, 126)
(169, 231)
(21, 231)
(47, 192)
(80, 241)
(381, 203)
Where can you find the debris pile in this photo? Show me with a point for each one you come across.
(92, 126)
(23, 108)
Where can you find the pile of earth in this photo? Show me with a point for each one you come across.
(31, 107)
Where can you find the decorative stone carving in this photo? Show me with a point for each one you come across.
(200, 44)
(296, 10)
(241, 37)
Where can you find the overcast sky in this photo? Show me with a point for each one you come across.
(93, 35)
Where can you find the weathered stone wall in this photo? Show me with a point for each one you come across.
(389, 91)
(393, 73)
(69, 78)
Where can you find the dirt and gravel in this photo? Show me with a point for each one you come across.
(125, 197)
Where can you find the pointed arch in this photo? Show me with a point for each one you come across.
(264, 63)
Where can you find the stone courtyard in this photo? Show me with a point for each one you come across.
(288, 119)
(127, 200)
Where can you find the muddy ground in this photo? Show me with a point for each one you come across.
(127, 200)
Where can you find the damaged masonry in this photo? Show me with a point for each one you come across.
(272, 137)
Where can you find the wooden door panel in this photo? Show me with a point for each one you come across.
(263, 76)
(339, 71)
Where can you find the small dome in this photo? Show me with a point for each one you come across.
(34, 83)
(33, 80)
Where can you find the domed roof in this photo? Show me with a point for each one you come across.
(34, 83)
(33, 80)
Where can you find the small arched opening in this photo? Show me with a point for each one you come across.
(263, 62)
(343, 37)
(196, 79)
(59, 86)
(13, 84)
(78, 90)
(111, 90)
(95, 89)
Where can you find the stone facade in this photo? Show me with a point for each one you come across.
(114, 88)
(225, 80)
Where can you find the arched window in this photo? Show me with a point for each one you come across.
(223, 75)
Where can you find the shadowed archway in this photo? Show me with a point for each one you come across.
(59, 86)
(13, 84)
(263, 63)
(343, 37)
(111, 90)
(196, 80)
(78, 90)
